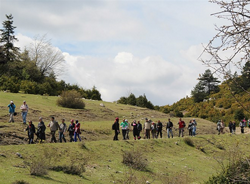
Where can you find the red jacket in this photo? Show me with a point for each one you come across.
(77, 128)
(181, 124)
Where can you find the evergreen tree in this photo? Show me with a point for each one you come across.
(246, 76)
(8, 50)
(206, 85)
(131, 100)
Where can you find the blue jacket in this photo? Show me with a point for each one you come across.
(11, 108)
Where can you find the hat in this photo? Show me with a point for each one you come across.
(63, 119)
(126, 120)
(40, 118)
(11, 101)
(117, 118)
(146, 118)
(24, 101)
(72, 121)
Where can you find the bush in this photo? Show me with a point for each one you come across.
(71, 99)
(70, 169)
(188, 141)
(135, 160)
(38, 167)
(20, 182)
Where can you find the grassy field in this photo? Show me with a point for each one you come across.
(98, 158)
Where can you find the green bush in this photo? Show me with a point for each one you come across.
(71, 99)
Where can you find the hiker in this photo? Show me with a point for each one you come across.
(194, 127)
(219, 127)
(190, 127)
(181, 127)
(242, 125)
(233, 127)
(41, 130)
(169, 128)
(147, 128)
(124, 127)
(24, 108)
(116, 128)
(153, 130)
(53, 128)
(62, 130)
(127, 131)
(159, 129)
(12, 107)
(248, 123)
(31, 130)
(230, 126)
(71, 130)
(139, 128)
(135, 130)
(222, 127)
(77, 131)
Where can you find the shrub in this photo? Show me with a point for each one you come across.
(135, 160)
(188, 141)
(38, 167)
(71, 99)
(70, 169)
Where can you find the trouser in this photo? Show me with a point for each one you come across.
(61, 136)
(31, 138)
(127, 133)
(159, 131)
(71, 134)
(190, 132)
(181, 132)
(53, 137)
(124, 134)
(231, 130)
(148, 133)
(153, 134)
(242, 130)
(116, 136)
(169, 130)
(77, 135)
(11, 117)
(24, 115)
(194, 131)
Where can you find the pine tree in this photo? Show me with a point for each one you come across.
(8, 51)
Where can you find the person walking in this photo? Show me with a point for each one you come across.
(153, 130)
(242, 125)
(24, 108)
(116, 129)
(190, 128)
(194, 127)
(230, 126)
(12, 108)
(181, 127)
(169, 128)
(139, 128)
(222, 127)
(233, 127)
(135, 130)
(124, 127)
(41, 130)
(147, 128)
(31, 131)
(54, 126)
(62, 130)
(71, 130)
(159, 129)
(77, 131)
(219, 127)
(128, 129)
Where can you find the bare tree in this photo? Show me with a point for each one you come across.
(47, 58)
(230, 47)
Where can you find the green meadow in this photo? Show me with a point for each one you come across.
(98, 159)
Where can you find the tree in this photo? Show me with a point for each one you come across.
(46, 57)
(230, 46)
(131, 100)
(8, 52)
(206, 85)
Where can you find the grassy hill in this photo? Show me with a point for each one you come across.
(98, 159)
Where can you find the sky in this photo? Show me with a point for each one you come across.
(142, 47)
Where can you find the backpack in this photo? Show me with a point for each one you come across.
(113, 126)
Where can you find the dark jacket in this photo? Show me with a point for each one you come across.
(31, 129)
(159, 126)
(139, 127)
(169, 125)
(116, 126)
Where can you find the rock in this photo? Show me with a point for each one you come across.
(147, 182)
(19, 155)
(102, 105)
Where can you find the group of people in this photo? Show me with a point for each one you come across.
(73, 130)
(12, 111)
(150, 128)
(232, 126)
